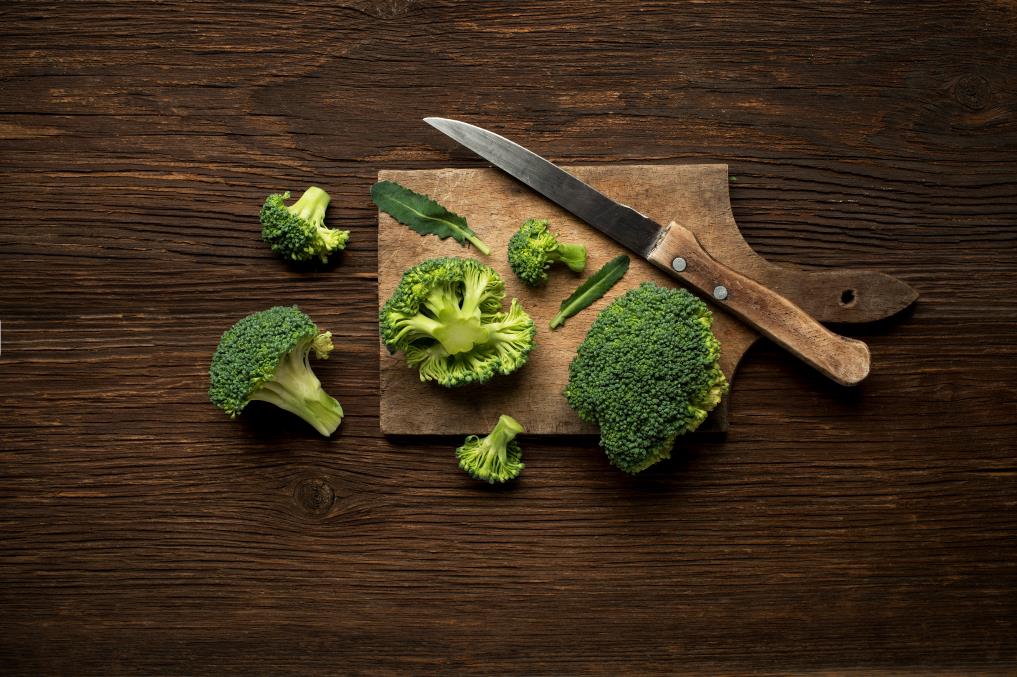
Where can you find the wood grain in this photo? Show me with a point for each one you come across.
(145, 533)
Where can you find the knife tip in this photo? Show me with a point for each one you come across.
(444, 124)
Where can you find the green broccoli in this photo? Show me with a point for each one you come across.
(446, 316)
(298, 232)
(265, 357)
(495, 458)
(533, 249)
(646, 373)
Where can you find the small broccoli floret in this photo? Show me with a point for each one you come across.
(265, 357)
(446, 316)
(495, 458)
(298, 232)
(646, 373)
(533, 249)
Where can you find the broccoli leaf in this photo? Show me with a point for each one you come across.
(592, 289)
(422, 214)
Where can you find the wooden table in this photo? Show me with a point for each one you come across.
(144, 532)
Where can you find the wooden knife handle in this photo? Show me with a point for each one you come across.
(679, 253)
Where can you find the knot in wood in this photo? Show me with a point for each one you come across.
(972, 92)
(387, 9)
(315, 496)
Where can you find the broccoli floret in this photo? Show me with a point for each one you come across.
(495, 458)
(646, 373)
(446, 316)
(298, 232)
(533, 249)
(265, 357)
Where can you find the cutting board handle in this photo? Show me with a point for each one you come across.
(843, 359)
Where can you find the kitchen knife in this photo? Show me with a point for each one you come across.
(674, 249)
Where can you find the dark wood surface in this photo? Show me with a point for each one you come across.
(832, 529)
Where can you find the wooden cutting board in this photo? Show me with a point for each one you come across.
(495, 205)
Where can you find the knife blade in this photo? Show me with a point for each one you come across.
(674, 249)
(621, 223)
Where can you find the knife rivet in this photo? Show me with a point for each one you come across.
(720, 292)
(679, 264)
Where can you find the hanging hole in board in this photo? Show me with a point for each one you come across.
(848, 298)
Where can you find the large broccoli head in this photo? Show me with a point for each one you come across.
(298, 232)
(533, 248)
(265, 357)
(646, 373)
(446, 316)
(495, 458)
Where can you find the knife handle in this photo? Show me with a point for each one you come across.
(843, 359)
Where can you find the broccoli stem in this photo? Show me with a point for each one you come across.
(311, 205)
(458, 332)
(296, 389)
(572, 255)
(457, 328)
(505, 430)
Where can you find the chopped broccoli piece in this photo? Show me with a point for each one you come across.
(533, 249)
(298, 232)
(495, 458)
(646, 373)
(265, 357)
(446, 316)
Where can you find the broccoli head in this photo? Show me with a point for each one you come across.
(495, 458)
(265, 357)
(298, 232)
(533, 248)
(446, 316)
(646, 373)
